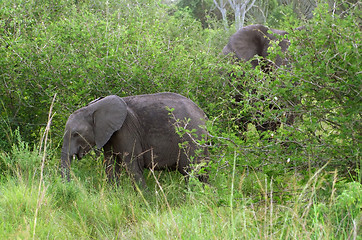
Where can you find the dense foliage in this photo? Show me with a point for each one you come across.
(307, 172)
(83, 51)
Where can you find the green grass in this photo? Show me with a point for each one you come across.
(90, 208)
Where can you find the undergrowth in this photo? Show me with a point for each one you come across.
(324, 207)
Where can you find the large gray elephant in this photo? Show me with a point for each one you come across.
(254, 40)
(137, 132)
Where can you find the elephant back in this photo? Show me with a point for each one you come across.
(153, 111)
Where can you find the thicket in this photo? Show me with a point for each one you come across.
(81, 50)
(85, 50)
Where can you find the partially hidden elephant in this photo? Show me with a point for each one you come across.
(138, 132)
(244, 45)
(254, 40)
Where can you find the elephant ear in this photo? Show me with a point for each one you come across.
(249, 41)
(108, 116)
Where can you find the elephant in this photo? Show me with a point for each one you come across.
(138, 132)
(255, 40)
(245, 44)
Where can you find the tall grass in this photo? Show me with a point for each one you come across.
(89, 208)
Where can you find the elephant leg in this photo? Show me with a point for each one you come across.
(185, 172)
(185, 166)
(139, 179)
(135, 171)
(204, 178)
(202, 169)
(109, 164)
(127, 149)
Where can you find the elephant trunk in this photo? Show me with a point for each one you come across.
(65, 165)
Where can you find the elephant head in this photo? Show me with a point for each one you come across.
(91, 125)
(254, 40)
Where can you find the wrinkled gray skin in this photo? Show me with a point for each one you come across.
(254, 40)
(135, 131)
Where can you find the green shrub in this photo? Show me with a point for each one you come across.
(22, 162)
(326, 70)
(92, 49)
(345, 209)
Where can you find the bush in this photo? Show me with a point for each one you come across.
(22, 162)
(326, 73)
(92, 49)
(319, 88)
